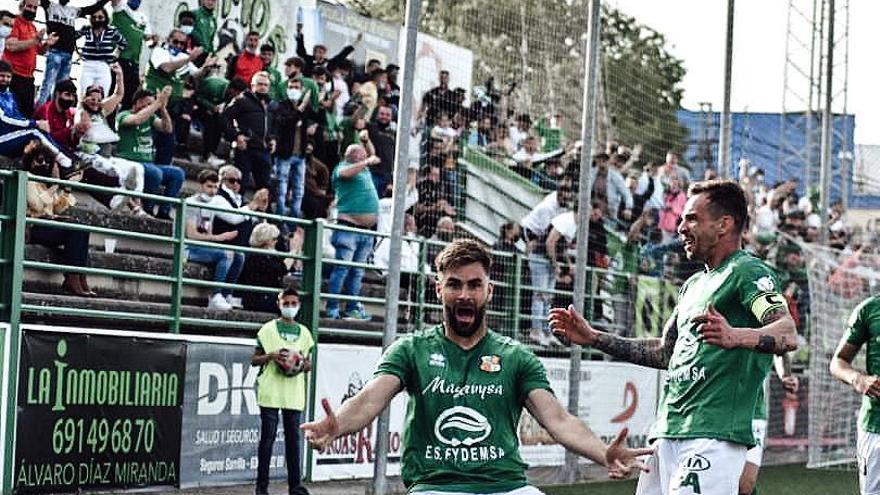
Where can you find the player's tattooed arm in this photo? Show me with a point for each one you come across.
(653, 353)
(779, 342)
(777, 335)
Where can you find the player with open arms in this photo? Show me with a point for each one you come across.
(863, 328)
(467, 386)
(716, 348)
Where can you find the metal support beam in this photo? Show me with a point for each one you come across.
(725, 167)
(827, 112)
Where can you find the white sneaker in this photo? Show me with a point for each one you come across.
(233, 301)
(217, 301)
(539, 337)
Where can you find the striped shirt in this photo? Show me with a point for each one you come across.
(101, 48)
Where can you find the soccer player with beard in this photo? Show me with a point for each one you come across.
(467, 386)
(716, 348)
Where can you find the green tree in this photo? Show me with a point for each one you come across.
(538, 45)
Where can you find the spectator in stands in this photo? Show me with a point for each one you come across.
(383, 135)
(205, 27)
(7, 19)
(520, 129)
(60, 18)
(22, 46)
(535, 227)
(247, 124)
(135, 28)
(49, 201)
(673, 206)
(650, 189)
(409, 249)
(710, 174)
(327, 144)
(213, 94)
(263, 270)
(17, 131)
(199, 227)
(436, 101)
(500, 144)
(358, 206)
(432, 201)
(508, 237)
(317, 198)
(277, 389)
(671, 168)
(99, 51)
(373, 92)
(247, 62)
(339, 72)
(481, 135)
(319, 54)
(392, 98)
(610, 188)
(277, 83)
(293, 69)
(135, 128)
(94, 144)
(288, 124)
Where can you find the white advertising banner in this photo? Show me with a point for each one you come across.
(612, 396)
(342, 372)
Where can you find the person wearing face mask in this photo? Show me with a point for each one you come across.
(99, 50)
(135, 28)
(247, 62)
(59, 112)
(7, 18)
(278, 83)
(186, 21)
(263, 270)
(289, 121)
(247, 124)
(23, 45)
(277, 389)
(60, 18)
(293, 69)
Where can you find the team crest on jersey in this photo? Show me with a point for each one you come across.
(490, 364)
(765, 284)
(437, 359)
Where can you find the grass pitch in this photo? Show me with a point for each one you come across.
(794, 479)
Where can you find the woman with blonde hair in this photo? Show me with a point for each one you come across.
(263, 270)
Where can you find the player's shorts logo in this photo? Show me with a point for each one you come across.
(461, 425)
(696, 462)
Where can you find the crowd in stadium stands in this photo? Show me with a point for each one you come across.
(314, 136)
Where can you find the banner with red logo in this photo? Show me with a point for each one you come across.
(342, 372)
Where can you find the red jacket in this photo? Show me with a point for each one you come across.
(60, 123)
(23, 62)
(246, 65)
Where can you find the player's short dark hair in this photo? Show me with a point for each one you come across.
(5, 66)
(266, 47)
(289, 290)
(141, 93)
(725, 197)
(208, 176)
(462, 252)
(295, 61)
(252, 33)
(186, 14)
(65, 86)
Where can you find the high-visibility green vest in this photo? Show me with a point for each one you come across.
(274, 389)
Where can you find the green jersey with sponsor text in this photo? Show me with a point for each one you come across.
(863, 328)
(464, 407)
(711, 392)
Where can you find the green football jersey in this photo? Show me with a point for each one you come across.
(464, 406)
(709, 391)
(864, 328)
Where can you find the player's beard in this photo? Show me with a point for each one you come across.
(463, 328)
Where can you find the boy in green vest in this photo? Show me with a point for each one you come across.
(280, 386)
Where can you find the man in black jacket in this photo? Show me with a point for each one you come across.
(247, 124)
(383, 134)
(288, 124)
(319, 54)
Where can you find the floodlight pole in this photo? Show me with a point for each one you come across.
(827, 131)
(725, 166)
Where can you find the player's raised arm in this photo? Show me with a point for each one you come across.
(650, 352)
(575, 436)
(355, 414)
(778, 334)
(841, 368)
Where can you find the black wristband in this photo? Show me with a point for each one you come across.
(766, 343)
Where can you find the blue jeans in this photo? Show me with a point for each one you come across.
(291, 174)
(57, 69)
(227, 264)
(292, 448)
(542, 278)
(350, 246)
(157, 176)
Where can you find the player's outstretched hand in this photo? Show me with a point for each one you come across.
(319, 434)
(622, 460)
(568, 323)
(791, 384)
(867, 385)
(715, 329)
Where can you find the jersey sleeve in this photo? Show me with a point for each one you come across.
(308, 340)
(531, 376)
(397, 361)
(759, 290)
(856, 327)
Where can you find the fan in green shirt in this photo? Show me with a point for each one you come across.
(467, 386)
(717, 346)
(205, 26)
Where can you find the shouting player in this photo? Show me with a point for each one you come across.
(863, 328)
(467, 386)
(716, 348)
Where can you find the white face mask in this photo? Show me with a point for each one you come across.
(328, 86)
(294, 94)
(187, 30)
(251, 50)
(289, 312)
(5, 31)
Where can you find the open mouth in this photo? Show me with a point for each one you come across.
(688, 244)
(465, 314)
